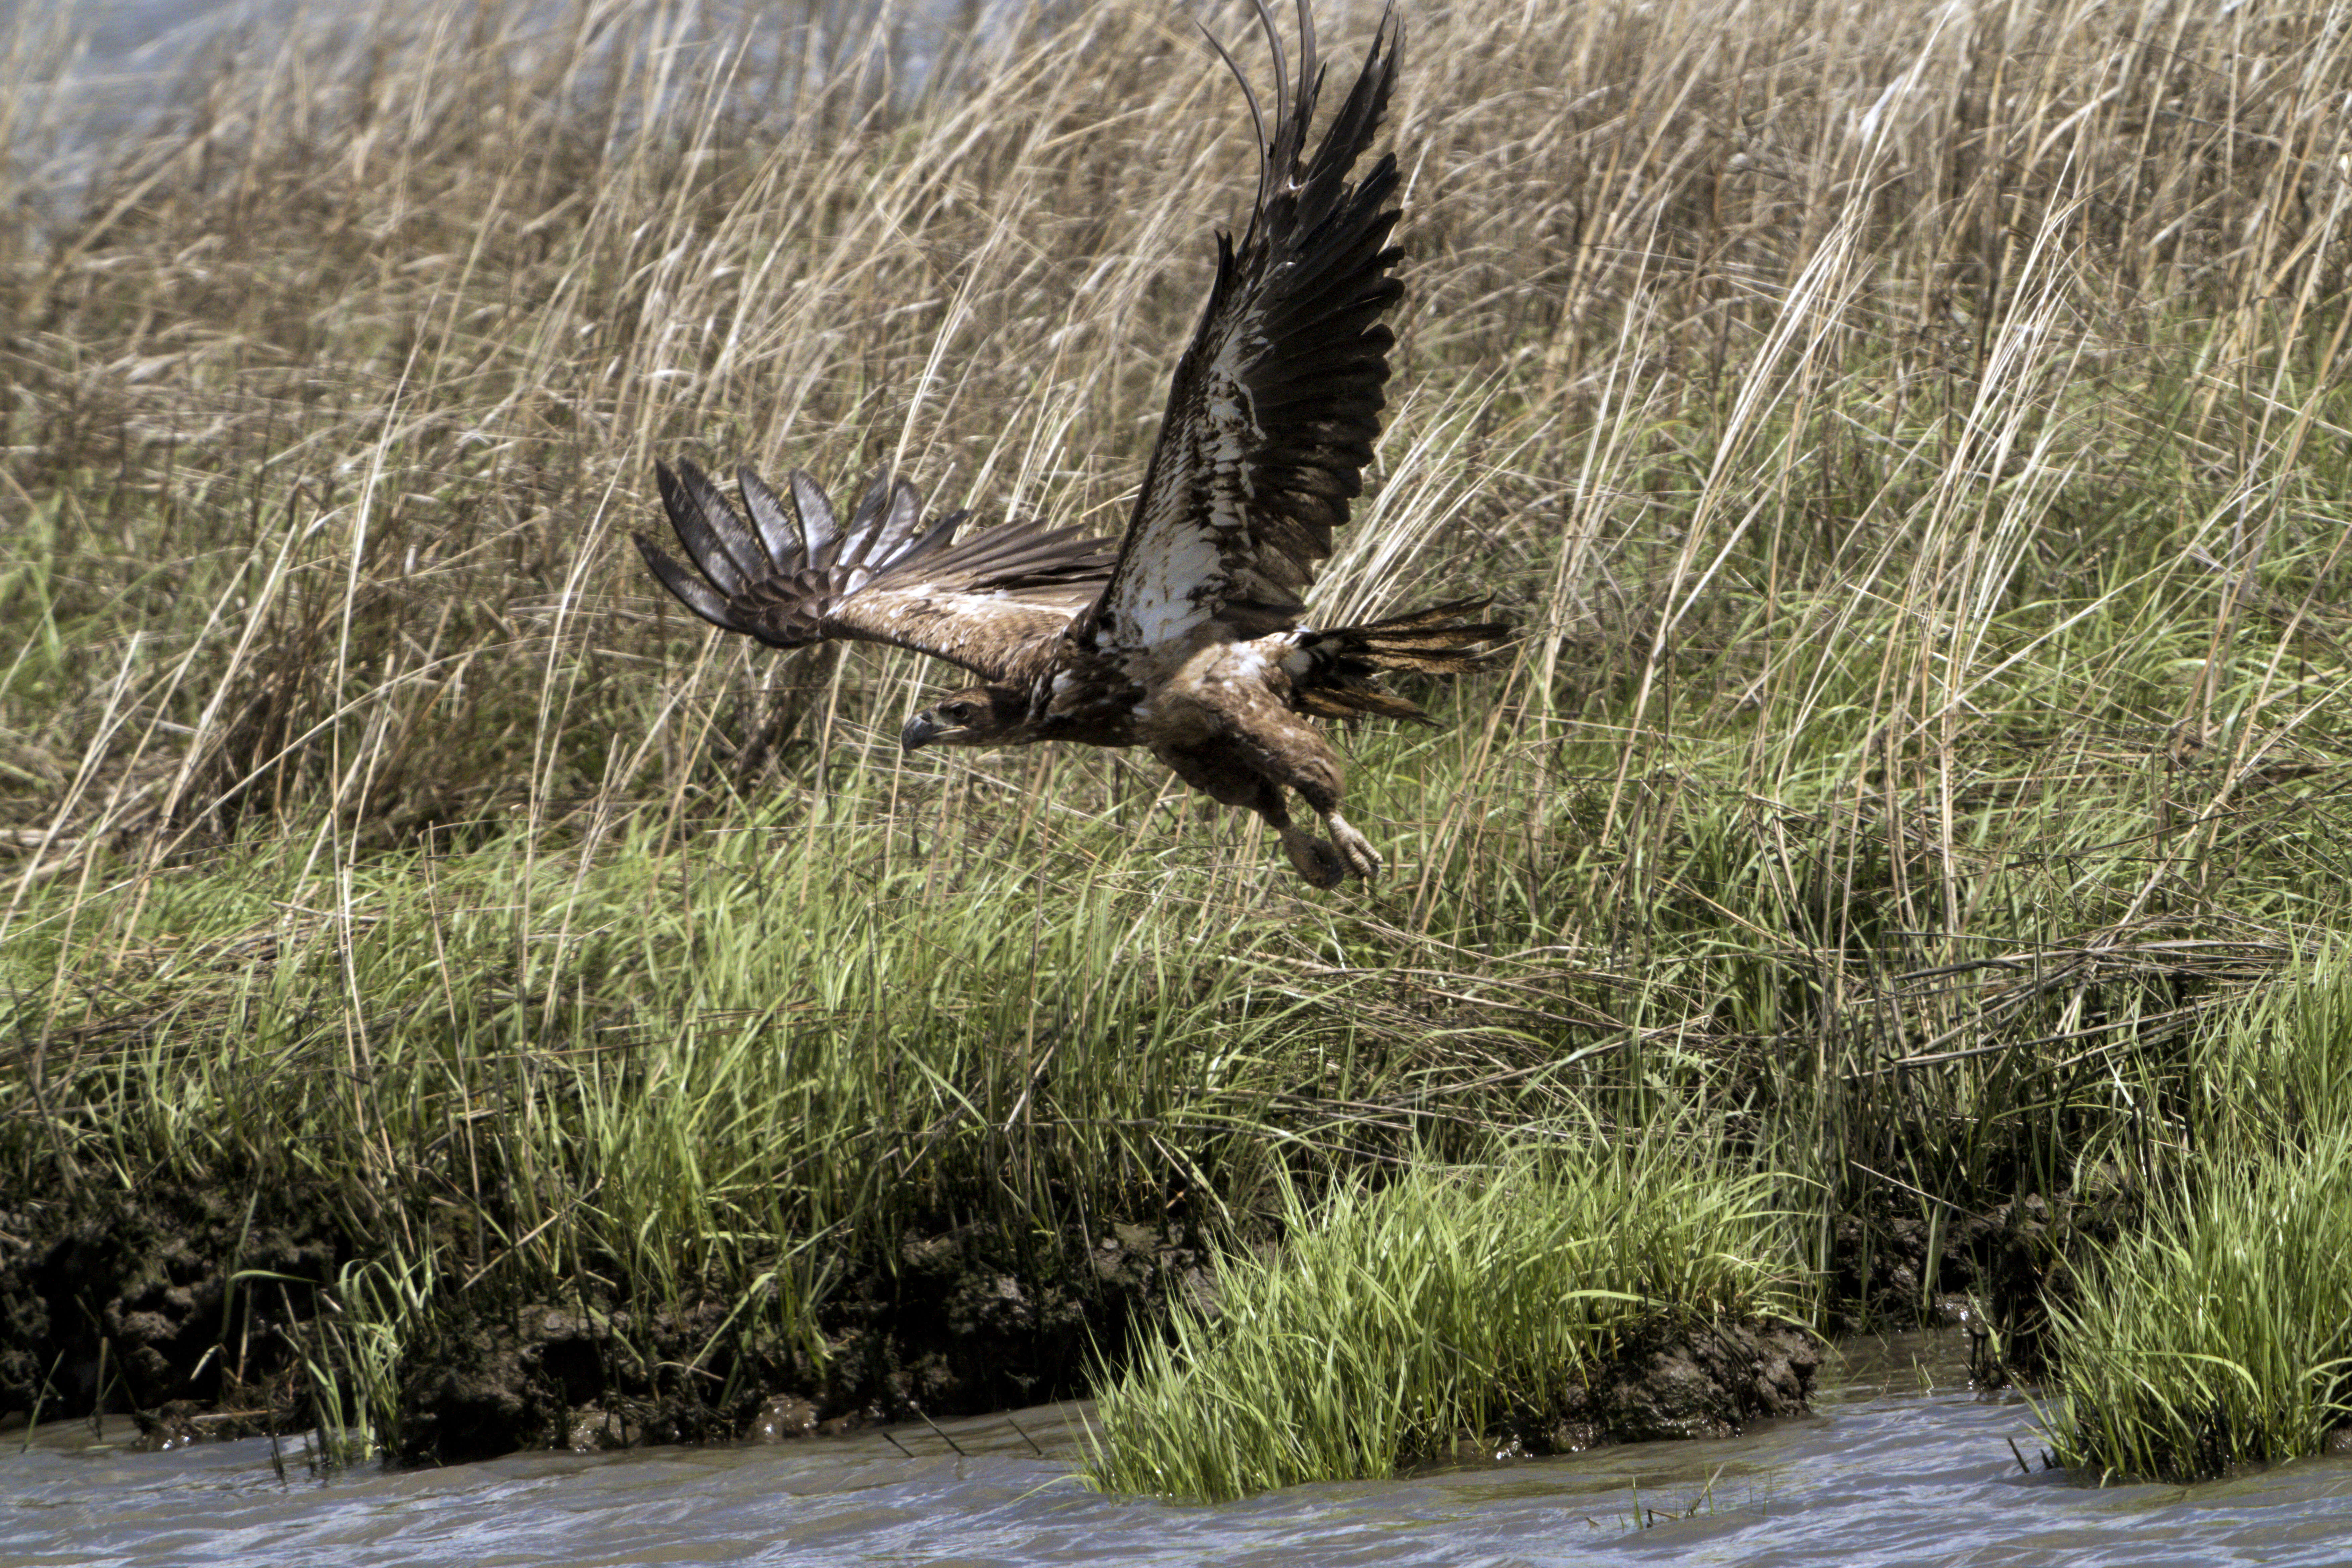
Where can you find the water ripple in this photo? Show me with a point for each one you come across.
(1893, 1470)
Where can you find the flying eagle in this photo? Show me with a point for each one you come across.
(1189, 639)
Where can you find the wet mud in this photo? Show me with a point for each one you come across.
(186, 1307)
(1994, 1273)
(196, 1311)
(957, 1324)
(1677, 1379)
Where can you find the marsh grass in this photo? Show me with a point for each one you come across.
(1449, 1305)
(1913, 441)
(2221, 1334)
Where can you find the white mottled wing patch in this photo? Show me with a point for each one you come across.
(996, 603)
(1185, 541)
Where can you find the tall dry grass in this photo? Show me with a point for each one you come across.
(1912, 436)
(338, 389)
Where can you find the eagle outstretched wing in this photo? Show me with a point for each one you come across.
(1276, 402)
(795, 574)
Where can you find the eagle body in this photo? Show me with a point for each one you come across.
(1224, 724)
(1187, 634)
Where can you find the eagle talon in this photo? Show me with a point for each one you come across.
(1354, 849)
(1317, 861)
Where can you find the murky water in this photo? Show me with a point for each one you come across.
(1901, 1465)
(116, 62)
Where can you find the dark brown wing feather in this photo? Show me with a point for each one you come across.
(794, 574)
(1276, 402)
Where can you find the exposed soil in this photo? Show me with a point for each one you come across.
(187, 1301)
(1993, 1274)
(960, 1326)
(1674, 1378)
(192, 1309)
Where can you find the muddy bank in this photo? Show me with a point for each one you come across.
(1676, 1379)
(180, 1304)
(958, 1325)
(197, 1310)
(1994, 1273)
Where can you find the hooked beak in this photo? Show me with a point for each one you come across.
(920, 731)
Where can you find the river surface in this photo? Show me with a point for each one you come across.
(1902, 1464)
(116, 62)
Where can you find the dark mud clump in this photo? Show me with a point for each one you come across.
(961, 1326)
(958, 1322)
(177, 1303)
(193, 1308)
(1673, 1377)
(540, 1376)
(1994, 1273)
(2032, 1265)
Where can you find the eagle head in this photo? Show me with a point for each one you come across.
(976, 716)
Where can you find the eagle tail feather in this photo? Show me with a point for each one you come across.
(1345, 664)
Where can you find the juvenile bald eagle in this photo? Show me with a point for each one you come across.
(1189, 639)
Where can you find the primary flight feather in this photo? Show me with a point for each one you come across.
(1188, 639)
